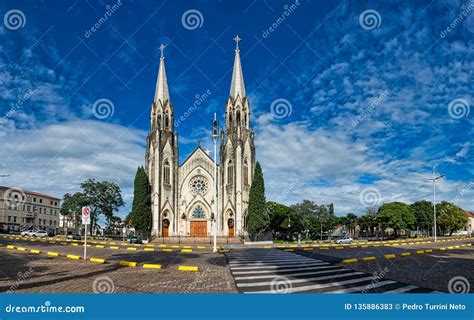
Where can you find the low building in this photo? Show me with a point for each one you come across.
(21, 209)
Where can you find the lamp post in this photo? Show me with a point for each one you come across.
(434, 178)
(214, 138)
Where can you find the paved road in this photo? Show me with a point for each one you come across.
(276, 271)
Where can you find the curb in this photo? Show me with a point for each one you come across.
(188, 268)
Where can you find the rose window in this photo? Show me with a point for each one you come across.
(198, 185)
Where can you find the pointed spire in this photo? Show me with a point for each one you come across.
(161, 91)
(237, 86)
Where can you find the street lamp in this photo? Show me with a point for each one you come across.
(214, 138)
(434, 178)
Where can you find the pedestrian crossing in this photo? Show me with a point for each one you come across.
(276, 271)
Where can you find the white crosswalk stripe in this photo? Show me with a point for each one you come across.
(277, 271)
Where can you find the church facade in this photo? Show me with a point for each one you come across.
(198, 197)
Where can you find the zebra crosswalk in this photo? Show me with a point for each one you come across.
(276, 271)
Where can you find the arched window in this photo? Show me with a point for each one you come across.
(198, 213)
(159, 119)
(245, 119)
(166, 173)
(238, 118)
(167, 121)
(230, 120)
(230, 173)
(246, 172)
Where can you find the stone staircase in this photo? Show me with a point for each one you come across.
(197, 240)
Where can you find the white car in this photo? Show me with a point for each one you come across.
(39, 233)
(344, 240)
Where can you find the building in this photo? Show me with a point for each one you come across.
(184, 202)
(21, 209)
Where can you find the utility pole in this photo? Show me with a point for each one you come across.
(434, 178)
(215, 134)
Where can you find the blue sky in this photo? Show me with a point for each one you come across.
(352, 102)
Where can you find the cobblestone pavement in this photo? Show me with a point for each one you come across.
(22, 271)
(432, 270)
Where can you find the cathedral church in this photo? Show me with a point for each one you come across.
(199, 197)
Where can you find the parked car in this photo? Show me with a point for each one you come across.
(74, 236)
(344, 240)
(135, 240)
(31, 233)
(25, 233)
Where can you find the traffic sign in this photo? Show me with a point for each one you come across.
(86, 215)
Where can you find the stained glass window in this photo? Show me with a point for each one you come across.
(198, 213)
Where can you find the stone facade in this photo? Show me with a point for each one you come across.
(185, 199)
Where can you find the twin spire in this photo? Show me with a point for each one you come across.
(237, 87)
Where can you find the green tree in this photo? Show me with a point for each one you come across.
(306, 214)
(103, 197)
(423, 211)
(71, 209)
(450, 217)
(258, 218)
(280, 219)
(396, 215)
(140, 216)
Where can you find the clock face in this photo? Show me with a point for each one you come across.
(198, 185)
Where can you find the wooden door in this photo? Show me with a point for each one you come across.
(230, 225)
(165, 224)
(165, 231)
(231, 231)
(198, 228)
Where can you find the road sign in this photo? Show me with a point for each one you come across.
(86, 215)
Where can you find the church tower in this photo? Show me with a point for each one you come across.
(237, 155)
(161, 158)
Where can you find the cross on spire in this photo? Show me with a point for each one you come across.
(237, 39)
(162, 49)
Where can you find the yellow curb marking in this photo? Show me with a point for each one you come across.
(406, 254)
(149, 249)
(186, 250)
(21, 249)
(369, 258)
(54, 254)
(428, 251)
(166, 250)
(74, 257)
(390, 256)
(188, 268)
(97, 260)
(131, 248)
(349, 260)
(114, 247)
(152, 266)
(98, 246)
(419, 251)
(128, 263)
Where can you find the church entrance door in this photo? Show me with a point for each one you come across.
(230, 224)
(198, 228)
(166, 225)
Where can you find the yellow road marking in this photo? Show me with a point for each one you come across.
(97, 260)
(131, 248)
(152, 266)
(188, 268)
(128, 263)
(74, 257)
(368, 258)
(349, 260)
(406, 254)
(54, 254)
(390, 256)
(166, 250)
(419, 251)
(149, 249)
(186, 250)
(114, 247)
